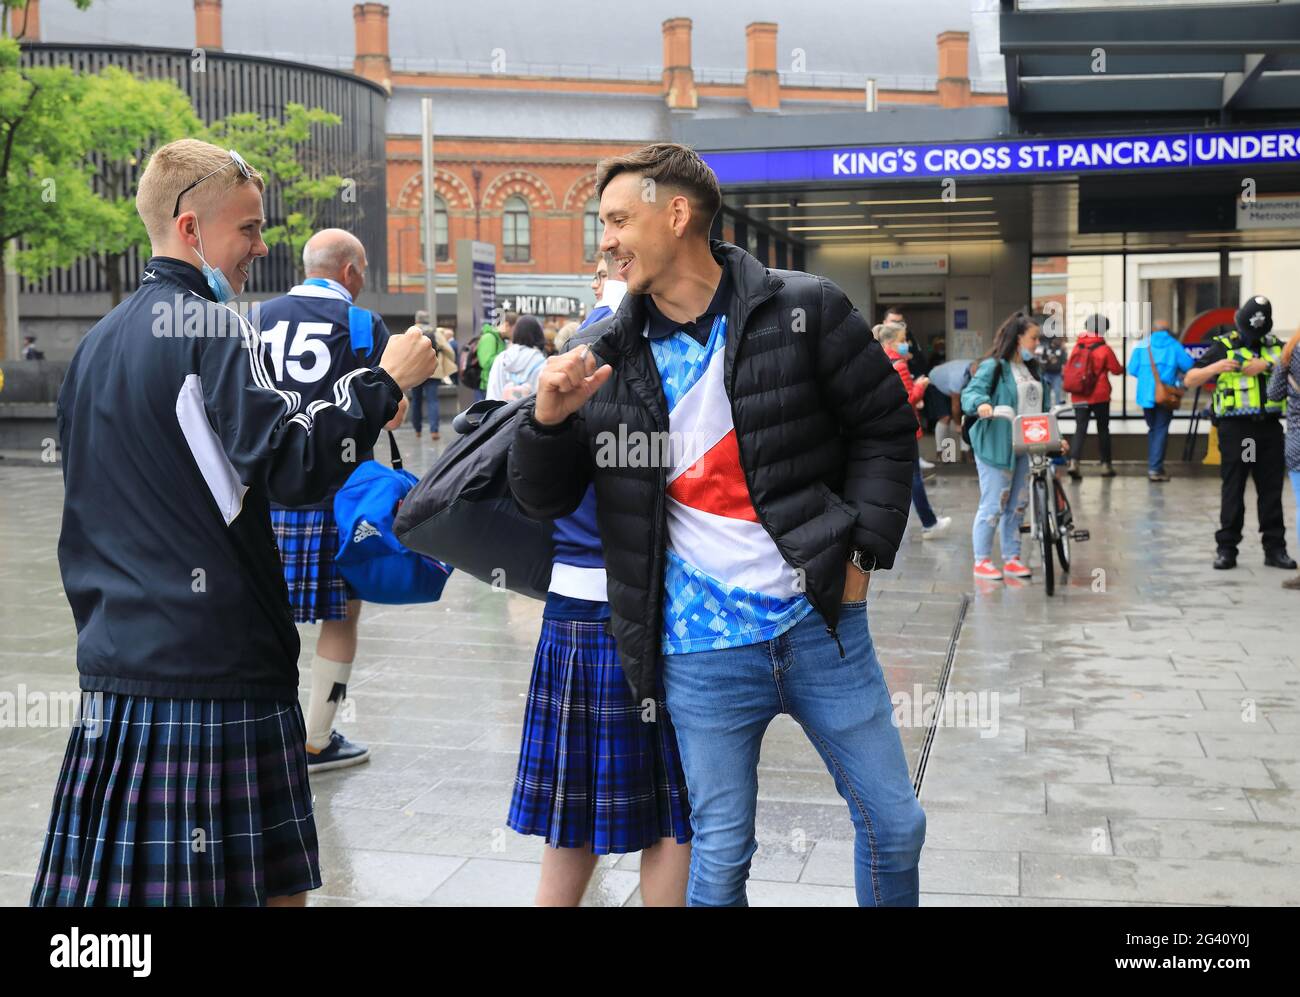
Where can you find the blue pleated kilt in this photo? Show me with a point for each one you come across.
(308, 540)
(180, 802)
(591, 771)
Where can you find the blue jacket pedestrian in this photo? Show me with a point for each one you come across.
(1172, 361)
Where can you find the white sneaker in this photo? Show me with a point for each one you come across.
(926, 465)
(939, 528)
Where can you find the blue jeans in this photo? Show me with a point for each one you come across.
(1295, 494)
(1002, 507)
(429, 390)
(1052, 387)
(919, 499)
(1158, 420)
(721, 703)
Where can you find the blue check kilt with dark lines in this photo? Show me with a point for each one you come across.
(308, 540)
(590, 770)
(181, 802)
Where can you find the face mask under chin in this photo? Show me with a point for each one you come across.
(218, 283)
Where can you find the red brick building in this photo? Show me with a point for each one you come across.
(516, 142)
(534, 197)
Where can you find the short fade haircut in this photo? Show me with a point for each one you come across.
(675, 167)
(174, 167)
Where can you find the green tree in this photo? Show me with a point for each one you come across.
(284, 152)
(126, 118)
(46, 194)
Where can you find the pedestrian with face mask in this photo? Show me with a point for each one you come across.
(1250, 431)
(175, 440)
(1008, 375)
(894, 340)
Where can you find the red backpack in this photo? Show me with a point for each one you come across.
(1080, 375)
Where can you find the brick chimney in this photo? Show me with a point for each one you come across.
(207, 24)
(372, 62)
(762, 85)
(25, 25)
(954, 74)
(679, 77)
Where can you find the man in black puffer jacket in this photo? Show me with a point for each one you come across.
(751, 449)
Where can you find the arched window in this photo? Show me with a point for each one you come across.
(591, 229)
(441, 249)
(514, 231)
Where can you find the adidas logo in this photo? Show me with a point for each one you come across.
(364, 530)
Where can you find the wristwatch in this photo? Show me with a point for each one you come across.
(863, 561)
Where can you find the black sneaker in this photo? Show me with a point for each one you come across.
(1224, 560)
(1279, 559)
(338, 754)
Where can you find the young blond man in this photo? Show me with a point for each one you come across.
(186, 782)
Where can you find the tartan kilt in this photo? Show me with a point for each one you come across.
(308, 540)
(590, 770)
(180, 802)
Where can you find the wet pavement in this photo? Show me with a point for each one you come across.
(1135, 739)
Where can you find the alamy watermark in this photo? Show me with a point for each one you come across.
(919, 708)
(23, 707)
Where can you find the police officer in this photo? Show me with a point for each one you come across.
(1250, 433)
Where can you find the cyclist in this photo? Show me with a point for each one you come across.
(1007, 375)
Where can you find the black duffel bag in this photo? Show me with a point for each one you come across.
(463, 514)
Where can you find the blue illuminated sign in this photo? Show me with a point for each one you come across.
(1011, 158)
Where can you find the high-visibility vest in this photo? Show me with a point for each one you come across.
(1236, 393)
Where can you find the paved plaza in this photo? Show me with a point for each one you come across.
(1134, 740)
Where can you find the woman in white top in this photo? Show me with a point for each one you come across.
(515, 371)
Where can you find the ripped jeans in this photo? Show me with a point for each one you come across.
(1002, 506)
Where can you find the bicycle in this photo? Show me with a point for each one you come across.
(1051, 523)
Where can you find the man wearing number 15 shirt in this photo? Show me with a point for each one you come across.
(315, 340)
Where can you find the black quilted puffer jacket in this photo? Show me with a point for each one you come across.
(825, 434)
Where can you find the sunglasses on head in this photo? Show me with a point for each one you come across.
(235, 158)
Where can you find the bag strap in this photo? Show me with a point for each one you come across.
(394, 455)
(360, 329)
(1151, 355)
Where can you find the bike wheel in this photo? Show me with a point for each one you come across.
(1046, 522)
(1064, 525)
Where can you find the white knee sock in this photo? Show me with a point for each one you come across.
(329, 684)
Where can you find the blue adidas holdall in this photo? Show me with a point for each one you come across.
(370, 557)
